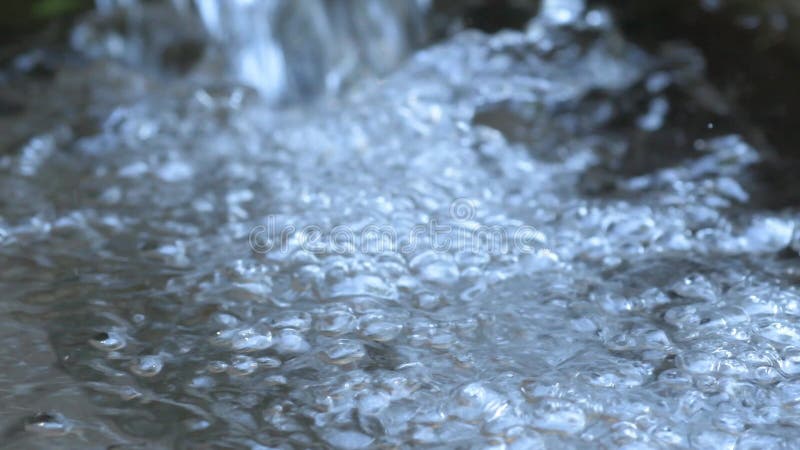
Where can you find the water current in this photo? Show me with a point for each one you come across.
(498, 241)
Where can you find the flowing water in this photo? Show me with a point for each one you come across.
(288, 50)
(509, 241)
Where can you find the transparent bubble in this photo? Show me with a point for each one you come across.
(242, 365)
(108, 341)
(48, 424)
(344, 352)
(147, 366)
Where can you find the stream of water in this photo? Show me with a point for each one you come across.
(499, 241)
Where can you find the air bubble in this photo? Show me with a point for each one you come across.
(366, 285)
(290, 342)
(336, 321)
(147, 366)
(108, 341)
(552, 414)
(48, 424)
(347, 439)
(435, 267)
(242, 365)
(377, 328)
(244, 340)
(344, 352)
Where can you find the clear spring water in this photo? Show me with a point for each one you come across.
(485, 249)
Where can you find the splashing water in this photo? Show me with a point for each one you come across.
(491, 248)
(288, 50)
(337, 36)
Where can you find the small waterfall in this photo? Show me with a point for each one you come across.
(283, 46)
(288, 50)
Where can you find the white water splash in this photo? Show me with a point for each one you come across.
(286, 49)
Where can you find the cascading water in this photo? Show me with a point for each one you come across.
(535, 239)
(283, 46)
(286, 49)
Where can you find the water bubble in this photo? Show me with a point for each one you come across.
(366, 285)
(713, 438)
(754, 440)
(269, 362)
(346, 439)
(344, 352)
(625, 433)
(242, 365)
(375, 327)
(290, 341)
(336, 321)
(256, 291)
(520, 437)
(619, 374)
(471, 258)
(372, 402)
(217, 366)
(435, 267)
(107, 341)
(48, 424)
(475, 401)
(790, 361)
(696, 287)
(698, 362)
(552, 414)
(779, 332)
(147, 366)
(300, 322)
(244, 340)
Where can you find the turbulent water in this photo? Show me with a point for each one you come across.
(286, 49)
(506, 243)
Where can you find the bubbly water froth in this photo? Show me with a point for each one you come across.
(137, 312)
